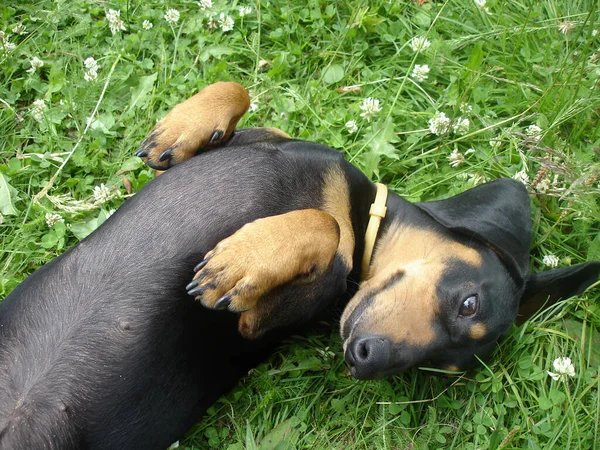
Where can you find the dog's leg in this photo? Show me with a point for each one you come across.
(206, 119)
(298, 247)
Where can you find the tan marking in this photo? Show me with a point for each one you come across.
(452, 368)
(190, 124)
(277, 132)
(336, 201)
(406, 310)
(478, 331)
(297, 246)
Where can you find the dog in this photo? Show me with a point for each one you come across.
(104, 347)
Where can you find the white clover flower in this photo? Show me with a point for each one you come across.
(370, 106)
(114, 21)
(52, 219)
(225, 22)
(351, 126)
(205, 4)
(36, 63)
(254, 106)
(566, 27)
(476, 179)
(91, 64)
(522, 177)
(534, 132)
(439, 123)
(495, 143)
(37, 109)
(456, 158)
(8, 46)
(146, 25)
(420, 72)
(551, 260)
(465, 108)
(245, 10)
(172, 16)
(564, 367)
(482, 5)
(543, 186)
(102, 193)
(19, 29)
(419, 44)
(461, 126)
(90, 75)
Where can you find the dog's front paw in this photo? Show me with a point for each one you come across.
(228, 279)
(204, 120)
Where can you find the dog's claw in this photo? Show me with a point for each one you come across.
(142, 153)
(192, 285)
(223, 302)
(196, 292)
(166, 154)
(218, 134)
(201, 265)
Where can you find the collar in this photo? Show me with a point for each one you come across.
(376, 213)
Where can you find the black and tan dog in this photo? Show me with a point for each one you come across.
(103, 348)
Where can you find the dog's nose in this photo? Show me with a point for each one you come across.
(368, 356)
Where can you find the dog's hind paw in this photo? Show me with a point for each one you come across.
(204, 120)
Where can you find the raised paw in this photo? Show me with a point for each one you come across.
(263, 255)
(204, 120)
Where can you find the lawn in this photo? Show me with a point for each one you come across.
(431, 99)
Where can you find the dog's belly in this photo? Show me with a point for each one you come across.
(103, 347)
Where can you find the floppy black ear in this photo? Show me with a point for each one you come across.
(546, 288)
(497, 214)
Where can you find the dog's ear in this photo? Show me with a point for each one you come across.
(497, 214)
(546, 288)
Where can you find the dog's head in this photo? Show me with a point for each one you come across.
(447, 279)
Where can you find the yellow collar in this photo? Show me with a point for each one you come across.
(377, 212)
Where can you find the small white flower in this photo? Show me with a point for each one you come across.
(594, 33)
(461, 126)
(465, 108)
(543, 186)
(439, 123)
(245, 10)
(551, 261)
(419, 44)
(9, 46)
(482, 5)
(564, 367)
(263, 63)
(114, 21)
(205, 4)
(420, 72)
(522, 177)
(175, 444)
(36, 63)
(495, 143)
(456, 158)
(226, 22)
(351, 126)
(212, 23)
(90, 75)
(19, 29)
(37, 109)
(146, 25)
(566, 27)
(52, 219)
(253, 106)
(370, 106)
(102, 193)
(91, 64)
(172, 16)
(534, 132)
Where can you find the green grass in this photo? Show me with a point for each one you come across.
(513, 68)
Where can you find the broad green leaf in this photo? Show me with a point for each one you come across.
(139, 96)
(6, 205)
(333, 74)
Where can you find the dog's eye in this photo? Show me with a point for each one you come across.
(469, 306)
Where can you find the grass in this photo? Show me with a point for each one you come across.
(524, 63)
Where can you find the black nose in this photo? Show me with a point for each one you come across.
(368, 356)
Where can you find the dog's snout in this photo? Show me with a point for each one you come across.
(368, 356)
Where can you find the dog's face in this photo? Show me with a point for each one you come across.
(445, 284)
